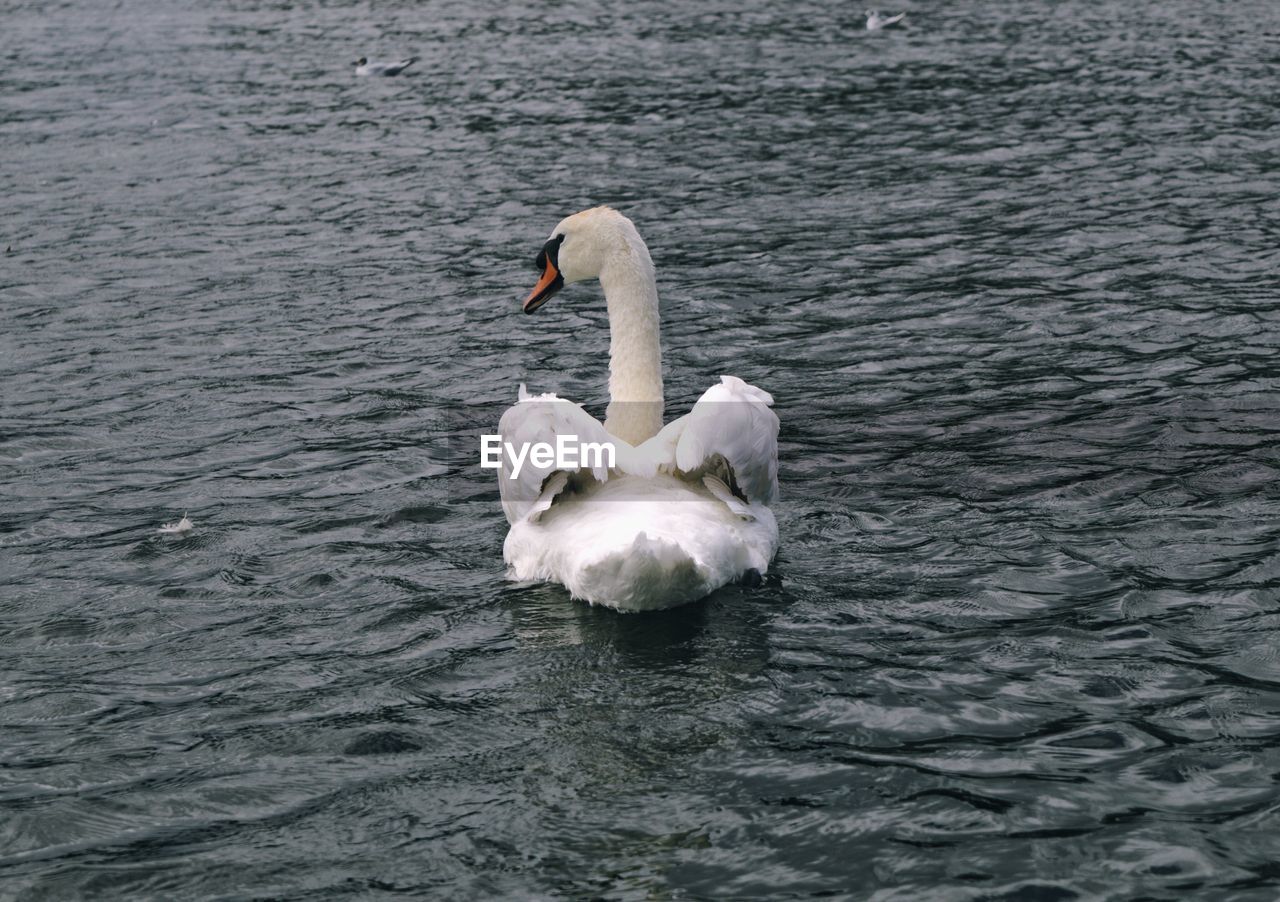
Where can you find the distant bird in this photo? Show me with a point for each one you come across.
(364, 67)
(176, 529)
(875, 21)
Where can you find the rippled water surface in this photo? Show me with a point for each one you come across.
(1010, 275)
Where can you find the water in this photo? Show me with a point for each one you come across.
(1010, 276)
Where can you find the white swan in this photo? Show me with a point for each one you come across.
(875, 21)
(684, 508)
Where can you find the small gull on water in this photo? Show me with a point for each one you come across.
(365, 67)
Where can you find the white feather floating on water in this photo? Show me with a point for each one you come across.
(176, 529)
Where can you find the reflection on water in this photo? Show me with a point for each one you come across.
(1007, 273)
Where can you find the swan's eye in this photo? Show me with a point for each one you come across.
(550, 249)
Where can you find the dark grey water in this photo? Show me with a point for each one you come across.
(1010, 275)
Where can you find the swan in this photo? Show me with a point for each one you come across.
(365, 67)
(875, 21)
(681, 509)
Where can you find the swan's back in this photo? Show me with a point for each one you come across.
(636, 543)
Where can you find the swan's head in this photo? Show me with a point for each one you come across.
(580, 247)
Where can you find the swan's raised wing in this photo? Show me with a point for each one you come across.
(731, 425)
(530, 483)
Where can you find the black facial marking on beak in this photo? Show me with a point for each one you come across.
(551, 281)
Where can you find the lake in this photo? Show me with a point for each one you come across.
(1010, 275)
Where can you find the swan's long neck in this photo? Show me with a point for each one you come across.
(635, 351)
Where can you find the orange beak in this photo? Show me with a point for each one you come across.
(549, 284)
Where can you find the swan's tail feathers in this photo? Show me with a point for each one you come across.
(649, 574)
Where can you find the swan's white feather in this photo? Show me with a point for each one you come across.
(655, 531)
(716, 487)
(733, 419)
(554, 485)
(539, 419)
(639, 544)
